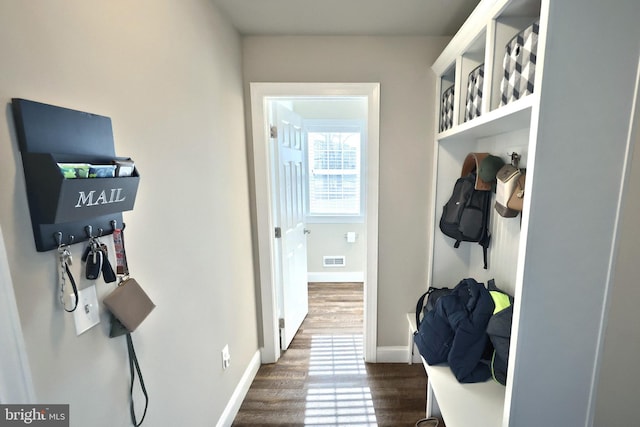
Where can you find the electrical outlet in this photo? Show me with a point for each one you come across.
(226, 357)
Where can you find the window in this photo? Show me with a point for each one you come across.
(334, 156)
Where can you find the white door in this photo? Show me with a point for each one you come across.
(290, 233)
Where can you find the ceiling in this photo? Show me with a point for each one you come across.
(347, 17)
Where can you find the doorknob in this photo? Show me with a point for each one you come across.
(307, 231)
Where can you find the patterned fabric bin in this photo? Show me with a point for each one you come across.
(520, 65)
(474, 93)
(446, 110)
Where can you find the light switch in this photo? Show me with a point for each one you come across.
(87, 314)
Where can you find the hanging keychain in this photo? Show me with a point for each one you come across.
(96, 255)
(122, 269)
(107, 270)
(65, 260)
(94, 262)
(92, 256)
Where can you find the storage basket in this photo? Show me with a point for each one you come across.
(474, 93)
(519, 65)
(446, 110)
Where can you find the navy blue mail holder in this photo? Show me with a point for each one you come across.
(57, 199)
(65, 207)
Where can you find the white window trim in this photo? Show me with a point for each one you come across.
(346, 125)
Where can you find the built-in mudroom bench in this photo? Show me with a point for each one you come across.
(558, 109)
(485, 400)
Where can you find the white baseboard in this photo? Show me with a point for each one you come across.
(232, 408)
(392, 354)
(336, 276)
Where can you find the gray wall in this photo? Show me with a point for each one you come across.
(402, 66)
(329, 239)
(169, 76)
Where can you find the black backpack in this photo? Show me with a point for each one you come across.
(465, 217)
(432, 296)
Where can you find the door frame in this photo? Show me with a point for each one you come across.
(270, 351)
(16, 383)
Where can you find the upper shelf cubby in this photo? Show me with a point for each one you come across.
(476, 58)
(512, 22)
(472, 83)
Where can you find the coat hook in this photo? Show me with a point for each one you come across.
(71, 239)
(100, 232)
(58, 238)
(114, 224)
(515, 159)
(89, 230)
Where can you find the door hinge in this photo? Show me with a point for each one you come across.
(278, 232)
(273, 132)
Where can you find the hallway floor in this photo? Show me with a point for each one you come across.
(322, 380)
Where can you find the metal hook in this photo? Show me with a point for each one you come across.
(100, 232)
(114, 225)
(89, 230)
(58, 238)
(515, 159)
(71, 239)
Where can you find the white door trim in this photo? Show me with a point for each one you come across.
(265, 223)
(16, 384)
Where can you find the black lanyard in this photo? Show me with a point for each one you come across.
(133, 361)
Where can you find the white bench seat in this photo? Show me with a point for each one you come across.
(459, 405)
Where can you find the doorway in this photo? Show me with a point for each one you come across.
(270, 247)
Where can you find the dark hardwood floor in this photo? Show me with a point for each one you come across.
(322, 380)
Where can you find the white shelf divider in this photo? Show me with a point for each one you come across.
(513, 116)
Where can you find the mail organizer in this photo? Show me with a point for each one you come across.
(62, 206)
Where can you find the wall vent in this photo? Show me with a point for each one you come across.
(333, 261)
